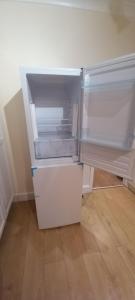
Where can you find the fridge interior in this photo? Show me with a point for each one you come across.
(54, 105)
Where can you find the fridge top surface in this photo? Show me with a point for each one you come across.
(52, 71)
(128, 59)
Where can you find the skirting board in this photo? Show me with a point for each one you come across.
(2, 227)
(5, 218)
(18, 197)
(86, 189)
(131, 187)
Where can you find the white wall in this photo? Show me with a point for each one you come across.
(40, 35)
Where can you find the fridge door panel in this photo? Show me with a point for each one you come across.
(58, 193)
(108, 123)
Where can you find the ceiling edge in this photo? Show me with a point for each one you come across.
(100, 6)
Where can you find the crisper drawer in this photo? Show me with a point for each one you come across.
(56, 148)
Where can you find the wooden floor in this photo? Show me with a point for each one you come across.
(91, 261)
(105, 179)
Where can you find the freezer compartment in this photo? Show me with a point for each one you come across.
(52, 147)
(58, 193)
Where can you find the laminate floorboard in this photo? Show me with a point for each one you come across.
(93, 260)
(105, 179)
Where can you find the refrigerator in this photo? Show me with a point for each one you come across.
(77, 119)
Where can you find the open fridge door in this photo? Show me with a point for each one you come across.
(107, 139)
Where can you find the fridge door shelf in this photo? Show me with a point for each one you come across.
(108, 115)
(88, 84)
(127, 146)
(56, 128)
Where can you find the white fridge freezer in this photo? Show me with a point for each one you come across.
(77, 119)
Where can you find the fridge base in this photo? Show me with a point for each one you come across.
(58, 194)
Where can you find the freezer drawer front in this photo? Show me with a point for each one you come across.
(58, 191)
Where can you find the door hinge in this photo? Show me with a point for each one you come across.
(33, 171)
